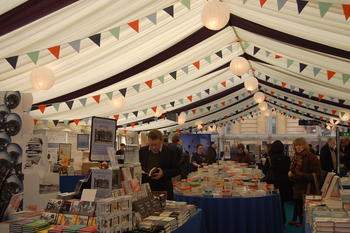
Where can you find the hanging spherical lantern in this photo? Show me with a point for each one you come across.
(263, 106)
(251, 83)
(259, 97)
(118, 102)
(158, 112)
(42, 78)
(215, 15)
(239, 66)
(181, 119)
(344, 116)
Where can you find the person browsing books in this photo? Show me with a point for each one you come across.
(198, 158)
(159, 164)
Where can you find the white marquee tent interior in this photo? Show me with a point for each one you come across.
(157, 57)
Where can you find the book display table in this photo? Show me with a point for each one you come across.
(194, 225)
(241, 215)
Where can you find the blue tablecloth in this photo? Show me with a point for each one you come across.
(193, 225)
(239, 215)
(67, 183)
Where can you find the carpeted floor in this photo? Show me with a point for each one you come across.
(289, 214)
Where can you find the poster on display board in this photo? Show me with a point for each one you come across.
(190, 142)
(35, 153)
(64, 151)
(83, 142)
(103, 135)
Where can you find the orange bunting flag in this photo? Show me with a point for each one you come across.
(116, 117)
(35, 122)
(125, 131)
(250, 92)
(42, 108)
(330, 74)
(223, 103)
(189, 98)
(284, 84)
(55, 51)
(132, 124)
(76, 121)
(225, 117)
(134, 25)
(97, 98)
(320, 96)
(178, 130)
(163, 116)
(223, 84)
(334, 112)
(149, 83)
(346, 9)
(278, 56)
(300, 102)
(321, 118)
(197, 64)
(272, 93)
(262, 2)
(194, 111)
(154, 109)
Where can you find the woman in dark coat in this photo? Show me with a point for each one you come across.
(277, 167)
(304, 171)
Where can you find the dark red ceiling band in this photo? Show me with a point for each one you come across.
(29, 12)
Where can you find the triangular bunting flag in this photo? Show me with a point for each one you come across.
(216, 87)
(346, 78)
(267, 78)
(216, 105)
(316, 107)
(209, 107)
(33, 56)
(136, 113)
(262, 2)
(97, 98)
(237, 97)
(186, 3)
(267, 53)
(281, 3)
(56, 106)
(35, 122)
(341, 101)
(292, 87)
(300, 102)
(316, 70)
(70, 104)
(153, 18)
(12, 61)
(55, 51)
(346, 9)
(219, 54)
(44, 122)
(163, 106)
(302, 67)
(275, 81)
(185, 69)
(189, 98)
(230, 48)
(161, 78)
(194, 111)
(197, 65)
(86, 120)
(75, 45)
(223, 84)
(115, 32)
(301, 5)
(199, 94)
(320, 96)
(55, 122)
(149, 83)
(96, 39)
(109, 95)
(123, 91)
(245, 45)
(207, 91)
(170, 10)
(232, 80)
(256, 49)
(132, 124)
(324, 7)
(83, 101)
(42, 108)
(289, 62)
(76, 121)
(301, 90)
(145, 111)
(173, 74)
(172, 103)
(334, 112)
(278, 56)
(134, 25)
(201, 109)
(126, 115)
(284, 84)
(330, 74)
(223, 103)
(208, 59)
(181, 101)
(66, 122)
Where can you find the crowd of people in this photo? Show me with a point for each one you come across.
(295, 176)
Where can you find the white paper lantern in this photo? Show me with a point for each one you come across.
(181, 119)
(267, 113)
(26, 101)
(345, 117)
(27, 124)
(158, 112)
(263, 106)
(239, 66)
(259, 97)
(118, 102)
(215, 15)
(251, 83)
(42, 78)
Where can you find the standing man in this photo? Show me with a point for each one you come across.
(211, 153)
(328, 156)
(121, 154)
(159, 164)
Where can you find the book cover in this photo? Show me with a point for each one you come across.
(75, 208)
(87, 208)
(81, 220)
(54, 205)
(92, 221)
(50, 217)
(68, 219)
(65, 208)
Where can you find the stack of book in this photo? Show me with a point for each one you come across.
(159, 223)
(35, 226)
(17, 227)
(57, 229)
(323, 224)
(342, 225)
(91, 229)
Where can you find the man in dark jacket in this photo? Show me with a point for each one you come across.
(211, 153)
(161, 162)
(328, 156)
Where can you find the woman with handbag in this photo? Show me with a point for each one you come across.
(305, 172)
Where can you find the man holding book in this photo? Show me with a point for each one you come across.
(159, 164)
